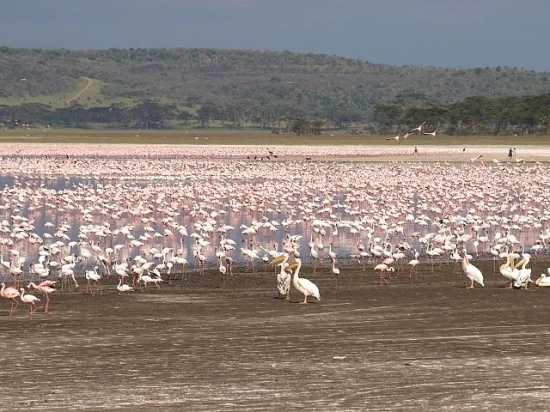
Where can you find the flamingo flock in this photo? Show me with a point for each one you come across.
(141, 220)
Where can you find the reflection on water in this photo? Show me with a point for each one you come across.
(174, 215)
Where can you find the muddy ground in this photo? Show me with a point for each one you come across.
(415, 344)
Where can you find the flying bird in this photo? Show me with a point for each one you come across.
(434, 132)
(418, 129)
(406, 135)
(473, 159)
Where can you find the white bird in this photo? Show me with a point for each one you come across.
(473, 273)
(473, 159)
(283, 277)
(92, 275)
(509, 271)
(336, 272)
(123, 287)
(524, 275)
(544, 280)
(418, 129)
(305, 286)
(434, 132)
(30, 300)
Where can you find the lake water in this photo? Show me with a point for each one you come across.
(96, 203)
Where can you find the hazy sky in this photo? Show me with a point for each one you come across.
(448, 33)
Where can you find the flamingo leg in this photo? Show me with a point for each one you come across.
(47, 302)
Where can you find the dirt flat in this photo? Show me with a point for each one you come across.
(414, 344)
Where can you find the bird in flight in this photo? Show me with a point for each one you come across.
(473, 159)
(406, 135)
(434, 132)
(418, 129)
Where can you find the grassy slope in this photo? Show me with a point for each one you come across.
(230, 137)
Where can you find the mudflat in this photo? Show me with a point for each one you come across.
(426, 343)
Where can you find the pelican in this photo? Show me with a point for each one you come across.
(544, 280)
(509, 271)
(473, 273)
(305, 286)
(283, 278)
(524, 274)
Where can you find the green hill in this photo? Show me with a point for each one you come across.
(190, 77)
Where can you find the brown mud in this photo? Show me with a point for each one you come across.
(415, 344)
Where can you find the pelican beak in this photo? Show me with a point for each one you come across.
(292, 266)
(519, 263)
(277, 260)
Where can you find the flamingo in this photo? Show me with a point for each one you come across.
(331, 253)
(92, 275)
(382, 267)
(46, 288)
(30, 300)
(123, 287)
(414, 263)
(434, 132)
(473, 159)
(223, 270)
(336, 272)
(305, 286)
(418, 129)
(10, 293)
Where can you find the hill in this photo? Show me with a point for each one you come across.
(190, 77)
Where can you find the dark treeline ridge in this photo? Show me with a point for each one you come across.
(474, 115)
(267, 89)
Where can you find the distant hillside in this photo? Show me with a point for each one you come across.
(308, 83)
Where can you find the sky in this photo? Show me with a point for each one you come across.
(442, 33)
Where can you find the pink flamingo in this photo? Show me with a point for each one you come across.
(10, 293)
(46, 288)
(382, 267)
(414, 262)
(31, 300)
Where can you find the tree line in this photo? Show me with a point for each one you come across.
(473, 115)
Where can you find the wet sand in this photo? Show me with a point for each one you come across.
(415, 344)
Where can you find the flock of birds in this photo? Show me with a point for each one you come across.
(415, 131)
(161, 216)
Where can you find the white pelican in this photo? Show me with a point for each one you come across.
(473, 273)
(524, 275)
(283, 278)
(509, 271)
(305, 286)
(544, 280)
